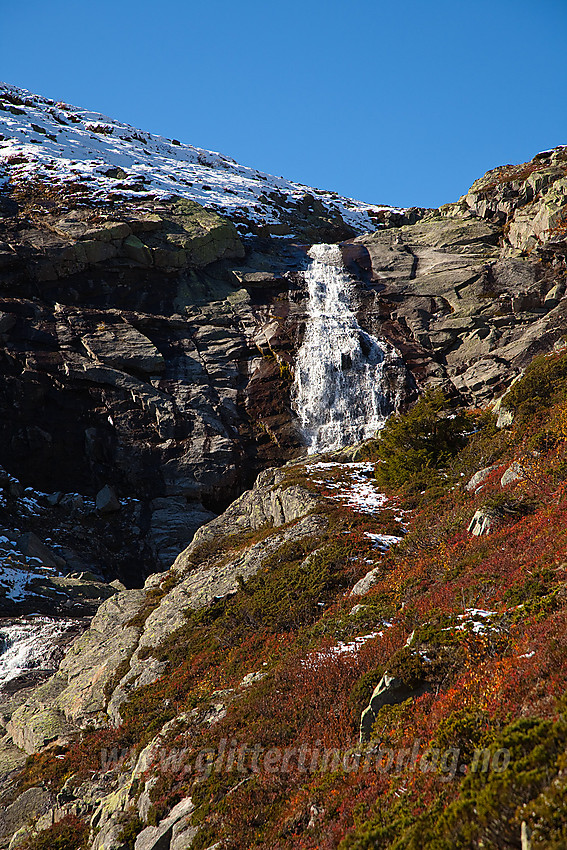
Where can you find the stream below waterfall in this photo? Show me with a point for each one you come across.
(341, 393)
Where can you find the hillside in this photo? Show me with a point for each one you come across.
(283, 523)
(100, 159)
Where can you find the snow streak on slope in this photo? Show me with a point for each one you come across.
(55, 141)
(356, 486)
(340, 393)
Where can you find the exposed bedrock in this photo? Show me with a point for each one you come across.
(165, 378)
(471, 292)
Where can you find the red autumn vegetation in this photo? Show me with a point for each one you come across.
(487, 618)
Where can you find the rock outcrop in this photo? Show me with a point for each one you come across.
(77, 691)
(470, 292)
(167, 382)
(113, 657)
(173, 341)
(131, 622)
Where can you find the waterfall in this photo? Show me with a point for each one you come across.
(341, 391)
(31, 644)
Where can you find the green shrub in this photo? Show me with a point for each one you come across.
(130, 831)
(407, 665)
(465, 729)
(413, 447)
(70, 833)
(543, 384)
(487, 811)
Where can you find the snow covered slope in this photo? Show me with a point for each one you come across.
(57, 142)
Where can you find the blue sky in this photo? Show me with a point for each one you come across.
(403, 103)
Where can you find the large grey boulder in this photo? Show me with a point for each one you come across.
(364, 584)
(11, 757)
(477, 480)
(107, 501)
(29, 805)
(109, 837)
(35, 724)
(31, 546)
(172, 833)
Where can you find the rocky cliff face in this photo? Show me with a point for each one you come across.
(149, 342)
(146, 346)
(170, 383)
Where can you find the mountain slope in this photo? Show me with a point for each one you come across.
(149, 336)
(57, 142)
(232, 689)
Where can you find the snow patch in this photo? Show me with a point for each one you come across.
(58, 142)
(359, 492)
(383, 541)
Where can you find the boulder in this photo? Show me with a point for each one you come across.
(515, 472)
(74, 501)
(11, 757)
(34, 725)
(364, 584)
(53, 499)
(30, 804)
(107, 501)
(478, 478)
(482, 522)
(504, 417)
(109, 837)
(32, 547)
(174, 831)
(389, 691)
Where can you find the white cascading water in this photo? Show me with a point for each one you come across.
(29, 644)
(340, 392)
